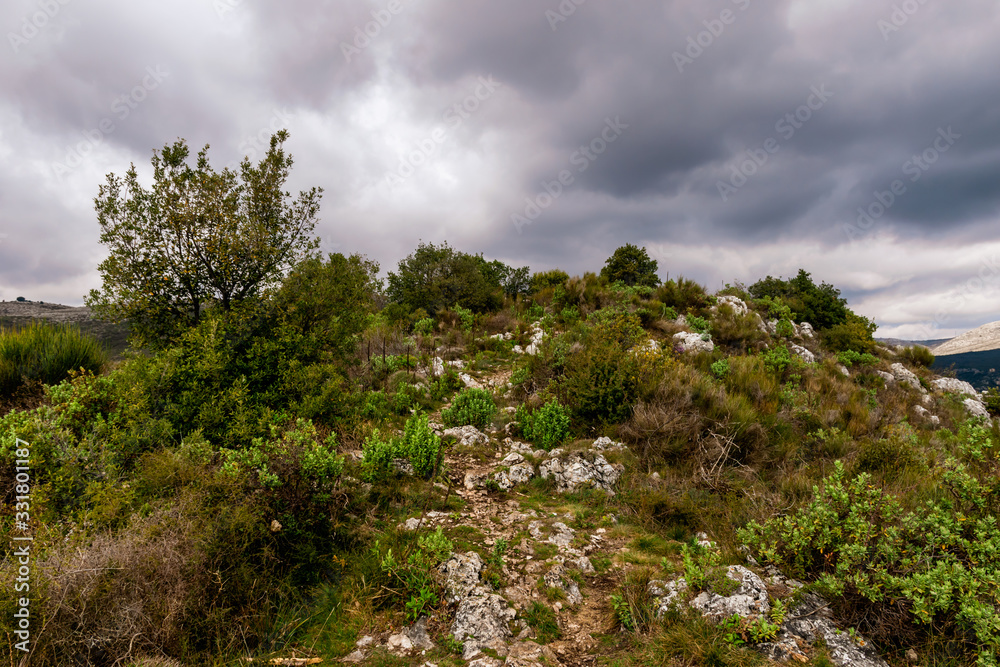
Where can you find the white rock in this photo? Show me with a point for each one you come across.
(806, 330)
(606, 444)
(802, 353)
(581, 470)
(480, 620)
(903, 375)
(843, 370)
(888, 377)
(738, 305)
(399, 643)
(468, 436)
(955, 386)
(749, 599)
(554, 579)
(469, 381)
(667, 594)
(977, 409)
(693, 342)
(519, 473)
(461, 573)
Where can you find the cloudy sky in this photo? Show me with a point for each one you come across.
(858, 139)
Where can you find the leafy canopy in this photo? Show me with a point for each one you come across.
(197, 238)
(631, 265)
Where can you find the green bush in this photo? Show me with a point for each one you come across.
(546, 279)
(420, 445)
(720, 368)
(631, 265)
(547, 427)
(377, 456)
(855, 334)
(849, 357)
(46, 353)
(777, 359)
(918, 355)
(942, 559)
(682, 294)
(698, 324)
(602, 383)
(472, 407)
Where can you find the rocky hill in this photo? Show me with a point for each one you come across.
(16, 314)
(980, 339)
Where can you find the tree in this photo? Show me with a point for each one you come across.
(197, 238)
(820, 305)
(631, 265)
(438, 277)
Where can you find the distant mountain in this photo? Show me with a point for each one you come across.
(980, 339)
(930, 344)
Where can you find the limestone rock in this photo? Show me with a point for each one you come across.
(581, 470)
(802, 353)
(955, 386)
(806, 330)
(811, 622)
(518, 473)
(903, 375)
(737, 304)
(461, 574)
(843, 370)
(693, 342)
(749, 599)
(606, 444)
(554, 579)
(976, 409)
(482, 620)
(468, 436)
(888, 377)
(667, 594)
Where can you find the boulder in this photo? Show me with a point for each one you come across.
(518, 473)
(468, 436)
(903, 375)
(737, 304)
(955, 386)
(693, 342)
(888, 377)
(843, 370)
(606, 444)
(806, 330)
(977, 409)
(802, 353)
(581, 470)
(482, 620)
(461, 574)
(749, 599)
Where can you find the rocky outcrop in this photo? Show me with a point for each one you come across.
(955, 386)
(482, 620)
(976, 408)
(581, 470)
(748, 600)
(693, 342)
(534, 346)
(810, 622)
(903, 375)
(802, 353)
(518, 472)
(737, 304)
(468, 436)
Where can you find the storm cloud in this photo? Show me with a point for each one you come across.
(858, 139)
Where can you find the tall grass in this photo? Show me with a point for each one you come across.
(42, 352)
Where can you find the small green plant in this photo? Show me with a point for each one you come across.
(472, 407)
(424, 326)
(542, 620)
(377, 456)
(467, 316)
(699, 324)
(698, 562)
(784, 328)
(420, 445)
(918, 355)
(720, 368)
(413, 580)
(547, 427)
(849, 357)
(777, 359)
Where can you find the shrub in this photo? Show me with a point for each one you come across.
(777, 359)
(855, 334)
(720, 368)
(424, 326)
(472, 407)
(683, 294)
(42, 352)
(378, 454)
(436, 277)
(820, 305)
(918, 355)
(420, 445)
(546, 279)
(698, 324)
(940, 559)
(547, 427)
(601, 385)
(631, 265)
(849, 357)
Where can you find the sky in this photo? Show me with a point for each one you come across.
(734, 139)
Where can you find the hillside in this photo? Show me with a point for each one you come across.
(15, 314)
(980, 339)
(584, 473)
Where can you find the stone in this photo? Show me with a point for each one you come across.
(583, 564)
(403, 466)
(365, 641)
(469, 381)
(903, 375)
(888, 377)
(355, 657)
(806, 330)
(399, 643)
(977, 409)
(955, 386)
(275, 526)
(482, 620)
(667, 593)
(810, 622)
(519, 473)
(554, 579)
(418, 636)
(693, 342)
(748, 600)
(650, 346)
(843, 370)
(581, 470)
(606, 444)
(737, 304)
(468, 436)
(461, 574)
(802, 353)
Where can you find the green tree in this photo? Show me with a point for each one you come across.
(820, 305)
(438, 277)
(631, 265)
(197, 238)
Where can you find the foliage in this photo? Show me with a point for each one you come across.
(942, 558)
(438, 277)
(698, 324)
(378, 454)
(410, 578)
(471, 407)
(542, 619)
(720, 368)
(632, 266)
(777, 359)
(820, 305)
(855, 334)
(197, 238)
(545, 279)
(547, 427)
(420, 445)
(682, 294)
(917, 355)
(514, 282)
(42, 352)
(849, 357)
(329, 301)
(632, 606)
(698, 563)
(424, 326)
(467, 316)
(601, 385)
